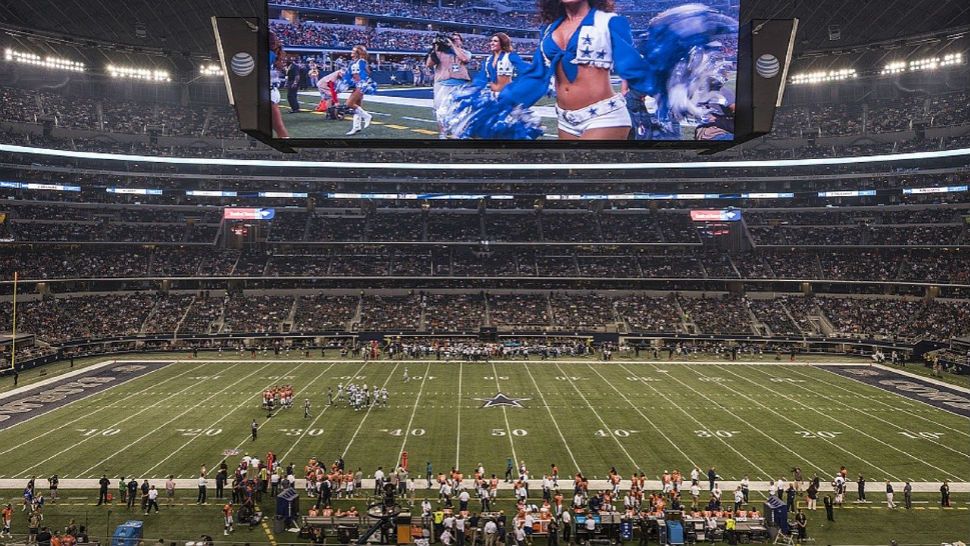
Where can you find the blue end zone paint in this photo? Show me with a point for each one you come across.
(936, 395)
(418, 93)
(46, 398)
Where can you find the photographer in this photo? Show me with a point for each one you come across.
(450, 64)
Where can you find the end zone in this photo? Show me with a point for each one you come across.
(25, 403)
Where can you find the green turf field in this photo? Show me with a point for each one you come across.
(391, 121)
(758, 420)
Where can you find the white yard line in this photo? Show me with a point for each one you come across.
(461, 367)
(699, 423)
(555, 423)
(367, 414)
(606, 427)
(505, 414)
(847, 425)
(414, 410)
(645, 418)
(266, 421)
(114, 425)
(795, 423)
(173, 419)
(314, 421)
(894, 425)
(93, 398)
(911, 401)
(246, 401)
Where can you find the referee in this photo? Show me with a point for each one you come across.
(254, 428)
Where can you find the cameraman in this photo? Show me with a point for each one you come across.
(450, 64)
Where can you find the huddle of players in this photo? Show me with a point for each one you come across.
(280, 396)
(360, 396)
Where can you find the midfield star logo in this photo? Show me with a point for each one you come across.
(501, 400)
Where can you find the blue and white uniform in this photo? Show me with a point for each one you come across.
(506, 64)
(603, 40)
(275, 79)
(365, 85)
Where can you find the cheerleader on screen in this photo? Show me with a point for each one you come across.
(581, 44)
(356, 78)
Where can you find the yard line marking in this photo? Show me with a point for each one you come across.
(505, 413)
(245, 401)
(409, 118)
(83, 440)
(826, 440)
(553, 417)
(869, 413)
(848, 426)
(910, 402)
(93, 398)
(461, 366)
(414, 410)
(298, 393)
(699, 423)
(866, 434)
(156, 429)
(596, 413)
(315, 419)
(645, 418)
(369, 409)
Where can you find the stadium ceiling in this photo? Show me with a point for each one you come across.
(182, 28)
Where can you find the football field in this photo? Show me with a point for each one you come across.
(399, 113)
(758, 419)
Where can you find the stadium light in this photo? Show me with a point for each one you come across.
(894, 68)
(56, 63)
(932, 63)
(211, 70)
(145, 74)
(822, 76)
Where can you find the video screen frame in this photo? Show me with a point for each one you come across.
(741, 91)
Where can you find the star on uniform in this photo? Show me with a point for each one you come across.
(592, 111)
(601, 54)
(587, 39)
(586, 52)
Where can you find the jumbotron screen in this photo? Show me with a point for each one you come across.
(523, 70)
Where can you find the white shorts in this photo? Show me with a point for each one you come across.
(274, 95)
(609, 112)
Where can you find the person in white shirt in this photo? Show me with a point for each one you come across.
(567, 519)
(460, 529)
(782, 486)
(491, 529)
(772, 489)
(745, 488)
(695, 475)
(446, 537)
(463, 498)
(695, 493)
(152, 500)
(449, 522)
(738, 498)
(378, 480)
(519, 536)
(590, 523)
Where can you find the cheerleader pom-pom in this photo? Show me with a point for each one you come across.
(473, 113)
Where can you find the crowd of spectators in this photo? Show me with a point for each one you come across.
(44, 262)
(582, 311)
(520, 311)
(453, 312)
(324, 312)
(256, 314)
(57, 320)
(390, 313)
(726, 314)
(116, 116)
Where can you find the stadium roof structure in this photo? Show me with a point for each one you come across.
(182, 27)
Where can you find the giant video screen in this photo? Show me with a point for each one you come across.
(518, 70)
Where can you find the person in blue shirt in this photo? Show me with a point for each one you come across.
(357, 79)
